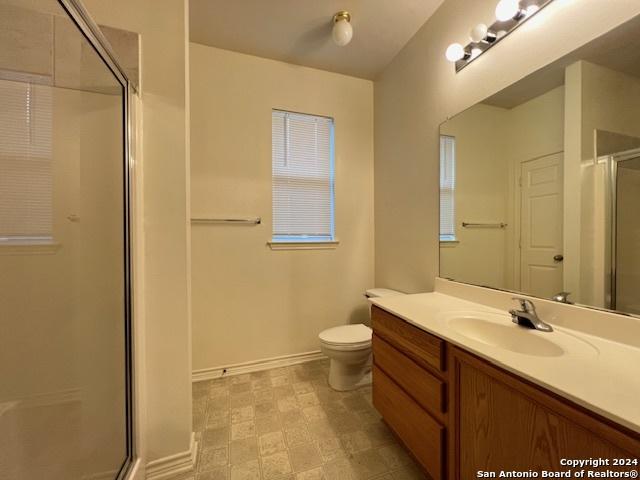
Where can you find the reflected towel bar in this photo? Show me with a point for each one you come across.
(484, 225)
(235, 221)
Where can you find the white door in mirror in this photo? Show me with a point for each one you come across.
(541, 226)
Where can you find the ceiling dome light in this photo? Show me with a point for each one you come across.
(478, 33)
(507, 10)
(342, 29)
(455, 52)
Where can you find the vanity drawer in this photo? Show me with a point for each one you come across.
(420, 433)
(422, 347)
(425, 388)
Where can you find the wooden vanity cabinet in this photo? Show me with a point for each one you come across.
(459, 414)
(503, 422)
(410, 388)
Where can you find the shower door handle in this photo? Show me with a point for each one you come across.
(558, 258)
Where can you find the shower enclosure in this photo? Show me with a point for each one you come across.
(65, 299)
(624, 169)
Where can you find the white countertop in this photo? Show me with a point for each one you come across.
(605, 380)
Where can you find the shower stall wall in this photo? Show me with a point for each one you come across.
(65, 290)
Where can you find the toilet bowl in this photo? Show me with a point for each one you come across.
(349, 349)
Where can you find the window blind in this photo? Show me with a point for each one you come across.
(447, 188)
(303, 180)
(25, 161)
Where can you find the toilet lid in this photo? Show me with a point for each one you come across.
(347, 335)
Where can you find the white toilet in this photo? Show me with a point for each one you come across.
(349, 348)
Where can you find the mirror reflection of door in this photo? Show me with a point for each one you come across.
(541, 214)
(627, 278)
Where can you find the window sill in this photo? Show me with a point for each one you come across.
(449, 243)
(332, 245)
(29, 248)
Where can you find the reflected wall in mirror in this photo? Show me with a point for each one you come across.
(540, 182)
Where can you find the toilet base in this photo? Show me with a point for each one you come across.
(344, 377)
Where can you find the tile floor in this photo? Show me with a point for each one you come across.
(287, 423)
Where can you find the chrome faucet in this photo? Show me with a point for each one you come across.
(528, 317)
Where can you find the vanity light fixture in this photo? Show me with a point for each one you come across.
(342, 32)
(510, 14)
(509, 10)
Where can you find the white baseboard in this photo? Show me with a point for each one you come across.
(174, 464)
(137, 470)
(255, 366)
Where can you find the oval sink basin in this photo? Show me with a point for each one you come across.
(498, 331)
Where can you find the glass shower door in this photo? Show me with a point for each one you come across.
(627, 236)
(65, 370)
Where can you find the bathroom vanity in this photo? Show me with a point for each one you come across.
(464, 404)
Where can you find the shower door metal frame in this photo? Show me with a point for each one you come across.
(612, 162)
(87, 26)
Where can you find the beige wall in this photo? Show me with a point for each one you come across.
(572, 178)
(250, 302)
(165, 246)
(537, 126)
(611, 101)
(420, 89)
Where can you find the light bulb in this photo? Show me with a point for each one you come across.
(455, 52)
(478, 33)
(342, 32)
(531, 9)
(507, 9)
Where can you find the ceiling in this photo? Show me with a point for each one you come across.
(618, 49)
(299, 31)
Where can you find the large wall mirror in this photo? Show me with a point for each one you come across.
(540, 183)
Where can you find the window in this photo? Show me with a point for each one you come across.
(447, 188)
(303, 178)
(26, 188)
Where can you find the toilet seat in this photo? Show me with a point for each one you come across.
(347, 337)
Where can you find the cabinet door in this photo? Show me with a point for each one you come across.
(420, 433)
(504, 423)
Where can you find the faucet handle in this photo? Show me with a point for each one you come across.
(562, 297)
(525, 304)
